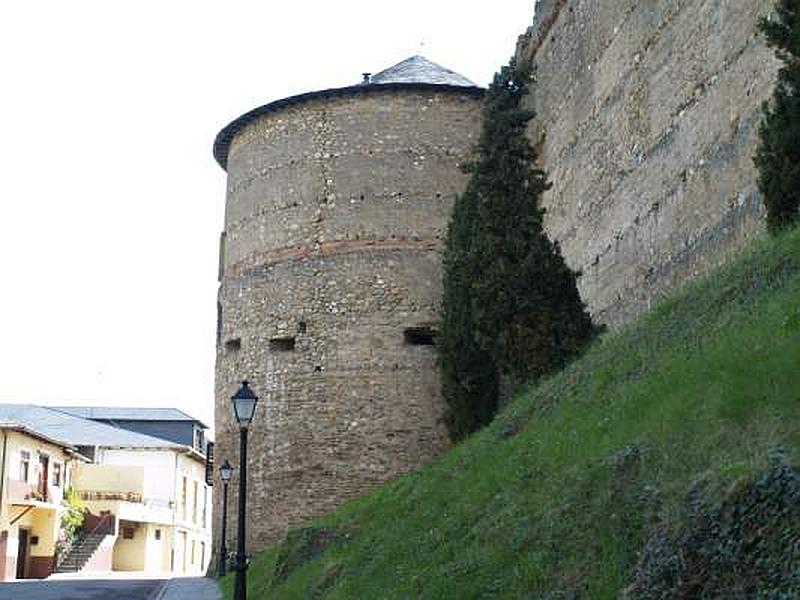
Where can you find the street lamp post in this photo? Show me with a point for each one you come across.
(244, 406)
(225, 472)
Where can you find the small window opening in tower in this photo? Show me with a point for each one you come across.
(219, 322)
(282, 344)
(302, 327)
(221, 266)
(419, 336)
(233, 344)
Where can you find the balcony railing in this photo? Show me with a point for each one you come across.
(89, 495)
(21, 491)
(136, 497)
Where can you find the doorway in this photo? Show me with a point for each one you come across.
(22, 554)
(44, 464)
(3, 554)
(184, 550)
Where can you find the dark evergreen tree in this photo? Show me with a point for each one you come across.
(511, 308)
(469, 375)
(778, 156)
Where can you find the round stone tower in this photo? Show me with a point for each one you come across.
(330, 271)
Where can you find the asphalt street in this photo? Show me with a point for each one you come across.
(81, 589)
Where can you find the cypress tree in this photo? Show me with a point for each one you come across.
(511, 308)
(469, 375)
(778, 156)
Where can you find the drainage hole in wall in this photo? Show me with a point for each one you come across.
(233, 345)
(282, 344)
(419, 336)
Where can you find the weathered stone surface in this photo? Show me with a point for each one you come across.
(335, 213)
(647, 116)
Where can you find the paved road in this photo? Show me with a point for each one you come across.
(81, 589)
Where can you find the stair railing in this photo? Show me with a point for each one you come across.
(101, 525)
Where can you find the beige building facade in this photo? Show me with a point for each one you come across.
(161, 506)
(34, 472)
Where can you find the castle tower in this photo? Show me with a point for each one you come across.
(330, 270)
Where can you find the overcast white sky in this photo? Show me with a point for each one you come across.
(111, 202)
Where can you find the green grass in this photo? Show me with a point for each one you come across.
(558, 495)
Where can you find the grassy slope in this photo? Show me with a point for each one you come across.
(562, 490)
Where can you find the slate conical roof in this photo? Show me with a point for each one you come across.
(418, 69)
(415, 72)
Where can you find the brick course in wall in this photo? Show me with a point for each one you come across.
(647, 116)
(335, 214)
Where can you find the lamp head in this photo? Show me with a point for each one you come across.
(225, 471)
(244, 405)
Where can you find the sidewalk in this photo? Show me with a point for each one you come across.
(189, 588)
(102, 575)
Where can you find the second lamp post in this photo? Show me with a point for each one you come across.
(225, 472)
(244, 407)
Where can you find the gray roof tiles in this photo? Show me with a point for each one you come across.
(114, 413)
(75, 431)
(418, 69)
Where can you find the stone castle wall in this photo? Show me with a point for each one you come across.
(647, 117)
(331, 280)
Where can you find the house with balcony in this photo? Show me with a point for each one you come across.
(146, 499)
(35, 470)
(192, 492)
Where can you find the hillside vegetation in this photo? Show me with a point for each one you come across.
(660, 464)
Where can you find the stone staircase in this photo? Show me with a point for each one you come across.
(80, 553)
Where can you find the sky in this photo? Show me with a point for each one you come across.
(110, 201)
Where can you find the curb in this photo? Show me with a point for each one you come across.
(171, 588)
(160, 591)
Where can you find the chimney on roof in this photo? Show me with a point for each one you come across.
(366, 79)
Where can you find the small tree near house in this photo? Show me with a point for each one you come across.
(71, 521)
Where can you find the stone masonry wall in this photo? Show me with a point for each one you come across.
(647, 117)
(334, 218)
